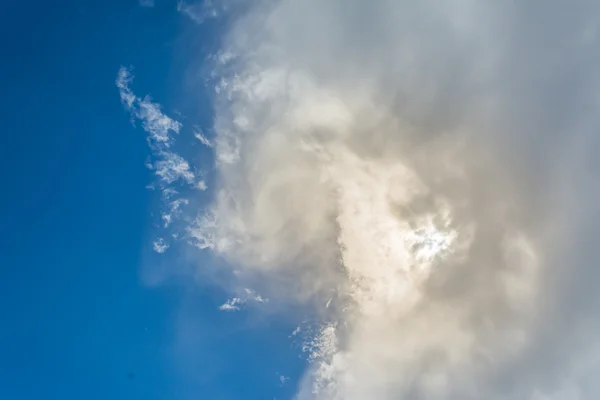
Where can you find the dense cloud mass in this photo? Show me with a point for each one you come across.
(426, 170)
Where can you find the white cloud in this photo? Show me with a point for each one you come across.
(203, 231)
(124, 79)
(253, 296)
(433, 164)
(158, 125)
(174, 209)
(147, 3)
(167, 219)
(169, 192)
(235, 303)
(283, 379)
(201, 185)
(160, 245)
(232, 304)
(172, 167)
(203, 139)
(198, 11)
(175, 205)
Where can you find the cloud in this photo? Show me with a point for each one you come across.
(147, 3)
(174, 173)
(433, 165)
(172, 167)
(201, 185)
(159, 126)
(252, 295)
(160, 245)
(174, 208)
(124, 79)
(235, 303)
(203, 139)
(232, 304)
(198, 11)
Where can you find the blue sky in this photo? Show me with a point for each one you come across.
(79, 320)
(299, 199)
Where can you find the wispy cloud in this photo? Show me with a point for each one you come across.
(203, 139)
(159, 126)
(283, 379)
(198, 11)
(173, 210)
(252, 295)
(160, 245)
(170, 167)
(236, 303)
(124, 79)
(232, 304)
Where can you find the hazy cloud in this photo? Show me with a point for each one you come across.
(236, 303)
(172, 167)
(203, 139)
(433, 165)
(158, 125)
(198, 11)
(232, 304)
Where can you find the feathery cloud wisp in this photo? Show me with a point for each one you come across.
(169, 167)
(158, 125)
(203, 139)
(198, 11)
(247, 295)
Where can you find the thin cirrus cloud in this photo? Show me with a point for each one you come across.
(246, 296)
(171, 169)
(432, 165)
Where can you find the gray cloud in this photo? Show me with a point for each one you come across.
(433, 165)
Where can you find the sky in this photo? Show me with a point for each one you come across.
(80, 317)
(298, 199)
